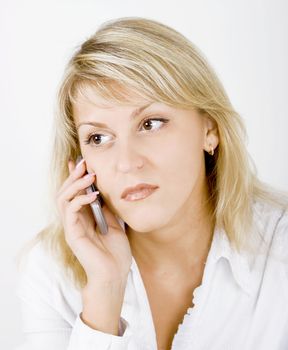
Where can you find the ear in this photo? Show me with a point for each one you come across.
(211, 134)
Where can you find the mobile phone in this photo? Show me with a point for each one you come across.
(96, 206)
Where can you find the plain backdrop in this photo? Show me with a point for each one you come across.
(245, 41)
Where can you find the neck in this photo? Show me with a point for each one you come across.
(182, 246)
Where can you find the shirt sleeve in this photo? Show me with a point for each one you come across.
(46, 326)
(86, 338)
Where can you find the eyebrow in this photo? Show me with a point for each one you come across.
(134, 114)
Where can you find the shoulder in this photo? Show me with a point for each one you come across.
(39, 269)
(47, 297)
(272, 225)
(271, 218)
(35, 257)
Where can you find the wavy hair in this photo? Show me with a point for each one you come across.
(158, 63)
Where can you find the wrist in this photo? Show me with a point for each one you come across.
(104, 289)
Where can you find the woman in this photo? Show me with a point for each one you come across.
(196, 254)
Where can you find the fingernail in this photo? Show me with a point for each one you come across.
(89, 175)
(93, 194)
(81, 161)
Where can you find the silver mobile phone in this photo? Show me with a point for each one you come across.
(96, 206)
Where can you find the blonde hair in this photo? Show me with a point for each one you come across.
(157, 63)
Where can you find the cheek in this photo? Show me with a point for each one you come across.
(181, 171)
(181, 163)
(98, 166)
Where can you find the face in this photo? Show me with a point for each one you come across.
(144, 143)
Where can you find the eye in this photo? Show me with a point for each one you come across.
(95, 138)
(148, 123)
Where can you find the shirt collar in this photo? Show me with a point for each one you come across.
(241, 264)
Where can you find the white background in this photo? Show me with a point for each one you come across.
(245, 41)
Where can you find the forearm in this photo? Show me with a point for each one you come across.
(102, 307)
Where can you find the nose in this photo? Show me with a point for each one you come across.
(129, 158)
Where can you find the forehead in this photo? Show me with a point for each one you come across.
(88, 102)
(111, 96)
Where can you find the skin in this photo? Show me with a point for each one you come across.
(170, 231)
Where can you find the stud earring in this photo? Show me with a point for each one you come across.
(212, 150)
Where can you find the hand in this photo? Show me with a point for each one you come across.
(105, 258)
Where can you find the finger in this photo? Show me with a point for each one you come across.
(78, 202)
(77, 188)
(76, 173)
(73, 209)
(79, 185)
(71, 166)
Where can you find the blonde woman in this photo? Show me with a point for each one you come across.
(195, 256)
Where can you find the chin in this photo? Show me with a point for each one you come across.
(141, 228)
(146, 222)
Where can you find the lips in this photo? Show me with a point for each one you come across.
(138, 192)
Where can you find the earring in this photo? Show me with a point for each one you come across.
(212, 150)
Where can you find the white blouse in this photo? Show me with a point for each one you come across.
(242, 303)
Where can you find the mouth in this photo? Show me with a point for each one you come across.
(138, 192)
(136, 196)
